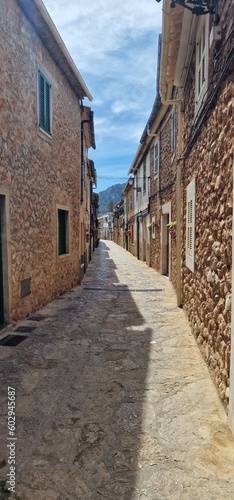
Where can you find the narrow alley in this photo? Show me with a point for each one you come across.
(113, 399)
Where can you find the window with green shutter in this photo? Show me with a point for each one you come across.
(44, 103)
(63, 232)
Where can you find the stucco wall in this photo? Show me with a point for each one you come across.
(39, 172)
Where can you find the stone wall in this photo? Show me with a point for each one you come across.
(207, 291)
(163, 191)
(39, 172)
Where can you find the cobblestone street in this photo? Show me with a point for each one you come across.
(113, 399)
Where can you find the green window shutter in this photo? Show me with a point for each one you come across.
(44, 89)
(47, 107)
(62, 232)
(41, 101)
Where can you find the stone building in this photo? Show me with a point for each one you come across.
(128, 196)
(40, 160)
(197, 58)
(94, 220)
(154, 168)
(87, 180)
(106, 226)
(119, 224)
(140, 168)
(160, 140)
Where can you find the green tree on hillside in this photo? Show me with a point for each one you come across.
(110, 206)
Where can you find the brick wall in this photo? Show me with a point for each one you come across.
(39, 172)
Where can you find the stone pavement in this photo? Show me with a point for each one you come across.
(113, 399)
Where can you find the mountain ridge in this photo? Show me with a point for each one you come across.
(110, 196)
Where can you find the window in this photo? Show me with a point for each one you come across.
(44, 103)
(153, 227)
(156, 157)
(63, 232)
(144, 176)
(202, 41)
(173, 130)
(130, 202)
(190, 225)
(137, 187)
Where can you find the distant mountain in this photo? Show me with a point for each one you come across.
(110, 196)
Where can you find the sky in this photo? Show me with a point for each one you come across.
(114, 46)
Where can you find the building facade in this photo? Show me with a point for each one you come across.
(188, 145)
(140, 169)
(87, 180)
(40, 161)
(198, 60)
(128, 198)
(106, 226)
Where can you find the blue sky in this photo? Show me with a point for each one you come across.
(114, 46)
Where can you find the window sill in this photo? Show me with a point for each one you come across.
(44, 135)
(64, 256)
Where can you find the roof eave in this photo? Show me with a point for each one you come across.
(36, 12)
(171, 43)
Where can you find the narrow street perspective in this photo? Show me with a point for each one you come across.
(113, 398)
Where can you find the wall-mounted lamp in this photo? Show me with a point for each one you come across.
(131, 182)
(198, 7)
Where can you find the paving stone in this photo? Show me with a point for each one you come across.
(113, 399)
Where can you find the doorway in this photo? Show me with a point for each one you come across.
(1, 266)
(165, 245)
(165, 260)
(4, 260)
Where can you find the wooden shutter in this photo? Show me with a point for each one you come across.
(190, 225)
(44, 98)
(62, 230)
(47, 106)
(156, 158)
(144, 176)
(201, 62)
(41, 100)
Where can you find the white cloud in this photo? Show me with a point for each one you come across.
(114, 45)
